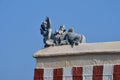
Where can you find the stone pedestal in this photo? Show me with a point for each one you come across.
(91, 57)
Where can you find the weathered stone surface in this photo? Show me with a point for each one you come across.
(83, 54)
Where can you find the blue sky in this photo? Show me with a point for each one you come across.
(98, 20)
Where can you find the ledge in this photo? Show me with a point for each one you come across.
(84, 48)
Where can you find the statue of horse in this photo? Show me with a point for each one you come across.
(61, 36)
(75, 39)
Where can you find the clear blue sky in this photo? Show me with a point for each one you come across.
(98, 20)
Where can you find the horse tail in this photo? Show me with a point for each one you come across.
(83, 39)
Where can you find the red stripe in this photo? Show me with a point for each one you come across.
(97, 72)
(38, 74)
(116, 72)
(77, 73)
(58, 74)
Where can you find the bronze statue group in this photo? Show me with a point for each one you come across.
(61, 36)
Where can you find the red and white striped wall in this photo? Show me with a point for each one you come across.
(104, 72)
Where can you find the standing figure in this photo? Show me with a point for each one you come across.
(46, 31)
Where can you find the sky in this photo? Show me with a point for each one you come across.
(20, 20)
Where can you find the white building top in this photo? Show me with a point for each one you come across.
(84, 48)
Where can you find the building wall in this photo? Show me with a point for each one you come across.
(101, 72)
(90, 61)
(78, 60)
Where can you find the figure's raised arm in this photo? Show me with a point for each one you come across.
(48, 22)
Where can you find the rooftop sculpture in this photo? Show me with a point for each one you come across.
(61, 36)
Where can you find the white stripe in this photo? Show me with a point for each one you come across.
(67, 73)
(87, 72)
(108, 72)
(48, 74)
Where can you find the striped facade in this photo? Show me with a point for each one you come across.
(104, 72)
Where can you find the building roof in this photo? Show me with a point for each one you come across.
(83, 48)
